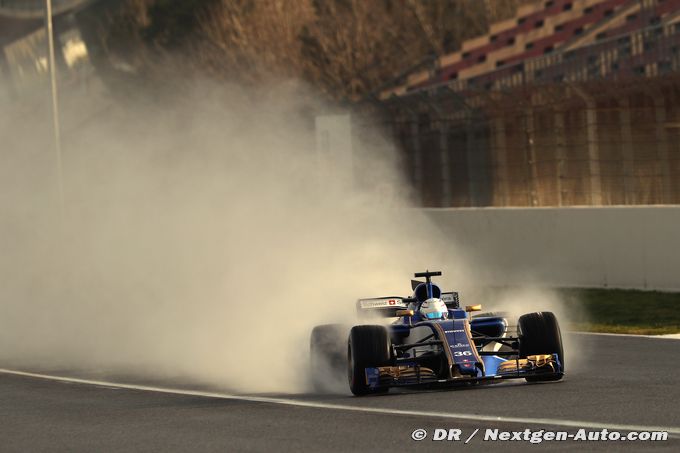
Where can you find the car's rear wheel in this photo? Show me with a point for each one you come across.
(368, 347)
(540, 334)
(327, 356)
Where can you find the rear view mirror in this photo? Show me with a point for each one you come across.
(405, 312)
(469, 308)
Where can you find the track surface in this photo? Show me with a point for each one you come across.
(619, 381)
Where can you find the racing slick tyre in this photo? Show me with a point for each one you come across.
(327, 356)
(368, 346)
(540, 334)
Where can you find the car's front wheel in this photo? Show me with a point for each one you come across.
(540, 334)
(368, 347)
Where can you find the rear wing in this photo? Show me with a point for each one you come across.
(384, 307)
(387, 307)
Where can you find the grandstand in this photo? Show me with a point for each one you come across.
(570, 102)
(553, 40)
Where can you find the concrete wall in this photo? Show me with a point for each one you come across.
(621, 247)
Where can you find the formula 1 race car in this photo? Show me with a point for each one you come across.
(434, 342)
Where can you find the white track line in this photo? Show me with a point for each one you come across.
(672, 336)
(344, 407)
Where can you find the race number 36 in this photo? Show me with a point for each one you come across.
(461, 353)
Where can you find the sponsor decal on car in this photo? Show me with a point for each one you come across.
(460, 346)
(380, 303)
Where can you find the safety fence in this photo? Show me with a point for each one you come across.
(597, 126)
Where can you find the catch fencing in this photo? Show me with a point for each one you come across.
(598, 125)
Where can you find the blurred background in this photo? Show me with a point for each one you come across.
(570, 106)
(492, 103)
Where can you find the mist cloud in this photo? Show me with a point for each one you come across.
(197, 238)
(200, 236)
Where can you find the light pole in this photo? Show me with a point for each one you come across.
(55, 102)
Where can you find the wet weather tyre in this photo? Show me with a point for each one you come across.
(540, 334)
(327, 355)
(368, 347)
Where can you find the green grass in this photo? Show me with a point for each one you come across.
(624, 311)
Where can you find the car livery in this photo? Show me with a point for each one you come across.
(414, 351)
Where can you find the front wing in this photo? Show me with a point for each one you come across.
(543, 365)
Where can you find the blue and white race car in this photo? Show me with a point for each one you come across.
(435, 342)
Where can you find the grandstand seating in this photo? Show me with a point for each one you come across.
(562, 40)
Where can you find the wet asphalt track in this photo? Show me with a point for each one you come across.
(616, 381)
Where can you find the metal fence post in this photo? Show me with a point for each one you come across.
(501, 155)
(55, 104)
(627, 152)
(593, 148)
(418, 179)
(560, 155)
(662, 147)
(444, 161)
(531, 157)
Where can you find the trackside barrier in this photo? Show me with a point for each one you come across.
(620, 247)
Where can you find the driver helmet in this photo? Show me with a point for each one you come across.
(434, 308)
